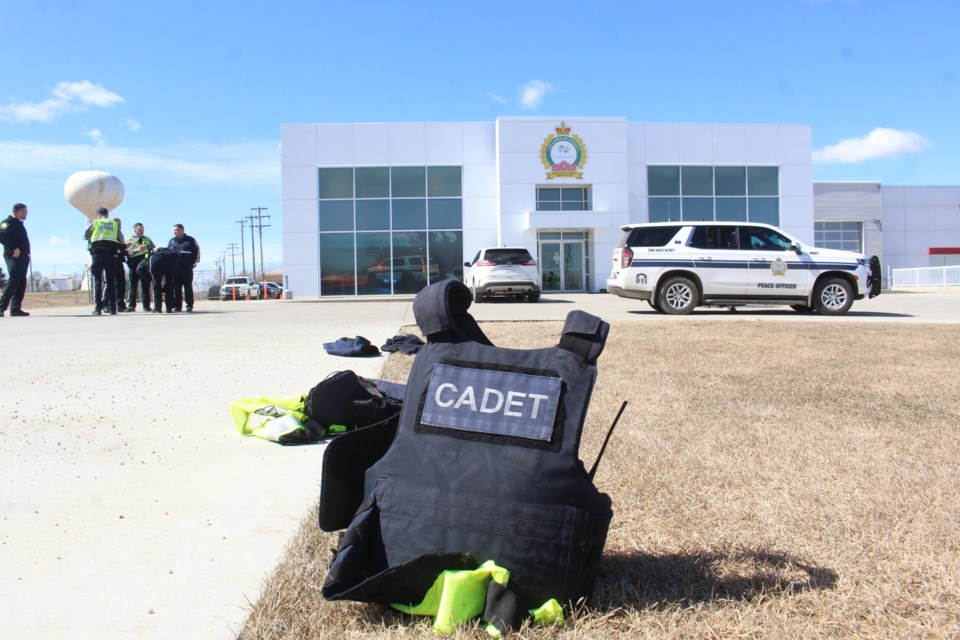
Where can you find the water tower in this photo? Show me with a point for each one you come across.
(87, 191)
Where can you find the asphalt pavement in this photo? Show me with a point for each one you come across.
(129, 504)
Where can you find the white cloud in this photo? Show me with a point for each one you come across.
(87, 93)
(58, 240)
(242, 165)
(496, 98)
(879, 143)
(96, 135)
(67, 98)
(531, 94)
(132, 124)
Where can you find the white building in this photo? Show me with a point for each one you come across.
(385, 208)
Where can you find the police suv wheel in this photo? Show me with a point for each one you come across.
(653, 304)
(833, 296)
(678, 295)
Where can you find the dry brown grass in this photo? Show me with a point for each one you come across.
(769, 480)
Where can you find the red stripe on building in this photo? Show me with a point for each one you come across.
(944, 251)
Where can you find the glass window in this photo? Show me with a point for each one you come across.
(409, 262)
(373, 215)
(664, 209)
(761, 239)
(373, 263)
(336, 215)
(336, 264)
(445, 213)
(762, 181)
(373, 182)
(714, 237)
(663, 181)
(845, 236)
(730, 181)
(446, 251)
(574, 199)
(336, 183)
(766, 210)
(696, 181)
(734, 209)
(650, 236)
(410, 214)
(444, 182)
(548, 195)
(409, 182)
(697, 208)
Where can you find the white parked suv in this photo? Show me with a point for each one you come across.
(239, 287)
(677, 266)
(503, 271)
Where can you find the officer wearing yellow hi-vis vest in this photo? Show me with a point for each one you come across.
(103, 234)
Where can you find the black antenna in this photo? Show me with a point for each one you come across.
(596, 464)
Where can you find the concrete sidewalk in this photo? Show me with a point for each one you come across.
(129, 504)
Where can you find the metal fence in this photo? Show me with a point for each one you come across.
(926, 277)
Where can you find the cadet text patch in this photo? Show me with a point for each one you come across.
(490, 401)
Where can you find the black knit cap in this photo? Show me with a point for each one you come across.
(102, 211)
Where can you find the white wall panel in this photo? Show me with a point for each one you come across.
(335, 145)
(637, 179)
(639, 210)
(917, 242)
(894, 245)
(300, 249)
(479, 180)
(696, 143)
(479, 142)
(915, 196)
(513, 231)
(663, 143)
(915, 217)
(762, 144)
(299, 183)
(298, 145)
(476, 239)
(610, 197)
(636, 144)
(894, 218)
(525, 135)
(892, 195)
(943, 218)
(729, 144)
(794, 142)
(944, 197)
(797, 212)
(603, 168)
(408, 143)
(300, 216)
(371, 144)
(517, 198)
(480, 213)
(522, 168)
(796, 180)
(444, 143)
(304, 280)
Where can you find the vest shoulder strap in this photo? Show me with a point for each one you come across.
(584, 335)
(441, 314)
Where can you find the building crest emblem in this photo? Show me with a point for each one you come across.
(563, 155)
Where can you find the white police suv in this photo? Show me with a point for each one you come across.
(677, 266)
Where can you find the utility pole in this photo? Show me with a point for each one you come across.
(232, 248)
(243, 257)
(253, 250)
(260, 226)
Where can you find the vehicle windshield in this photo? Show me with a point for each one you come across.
(507, 256)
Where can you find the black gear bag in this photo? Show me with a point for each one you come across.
(484, 466)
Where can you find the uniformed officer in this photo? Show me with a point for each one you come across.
(121, 270)
(188, 255)
(16, 253)
(139, 248)
(103, 234)
(163, 270)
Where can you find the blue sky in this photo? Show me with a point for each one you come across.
(184, 100)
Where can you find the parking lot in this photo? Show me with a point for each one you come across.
(131, 507)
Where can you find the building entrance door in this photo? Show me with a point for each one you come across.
(563, 261)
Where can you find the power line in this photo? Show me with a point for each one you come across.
(243, 258)
(260, 227)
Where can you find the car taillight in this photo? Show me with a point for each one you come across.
(484, 263)
(626, 257)
(530, 263)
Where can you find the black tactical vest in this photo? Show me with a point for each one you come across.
(484, 466)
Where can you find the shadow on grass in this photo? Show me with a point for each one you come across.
(644, 580)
